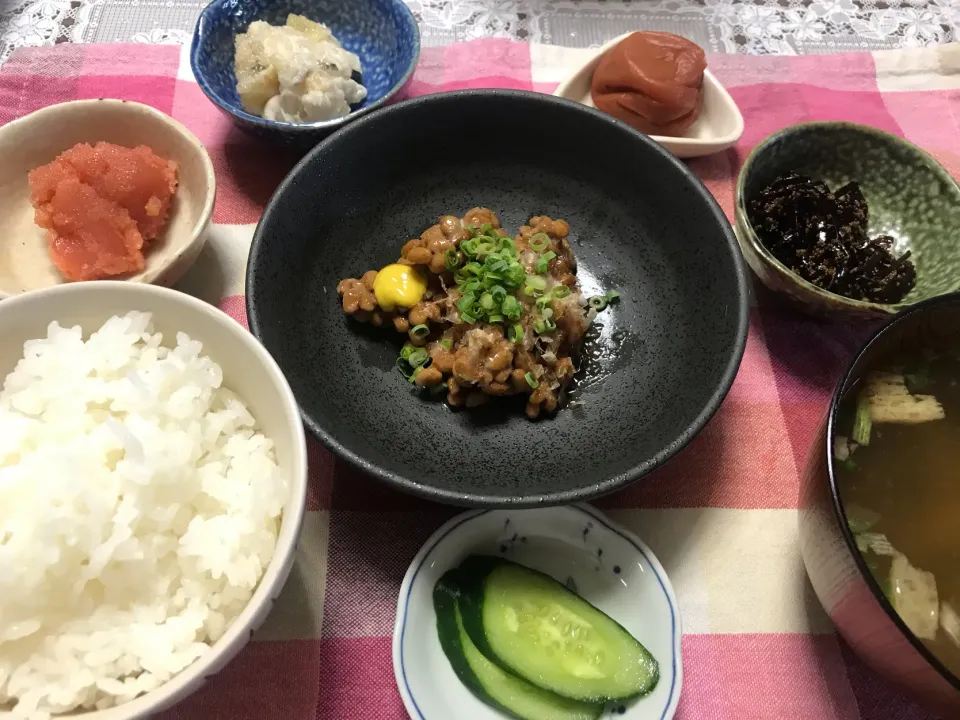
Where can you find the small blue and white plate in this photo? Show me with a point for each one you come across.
(605, 564)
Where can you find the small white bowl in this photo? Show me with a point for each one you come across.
(719, 126)
(248, 370)
(37, 138)
(607, 565)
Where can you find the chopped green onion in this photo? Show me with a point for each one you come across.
(516, 332)
(544, 326)
(511, 307)
(862, 423)
(406, 351)
(453, 259)
(539, 242)
(420, 331)
(404, 367)
(544, 301)
(546, 313)
(849, 465)
(418, 358)
(600, 302)
(486, 228)
(465, 303)
(491, 274)
(531, 380)
(485, 248)
(471, 285)
(446, 343)
(413, 376)
(560, 291)
(470, 228)
(544, 260)
(860, 519)
(514, 276)
(535, 285)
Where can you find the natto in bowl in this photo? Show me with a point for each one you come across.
(383, 33)
(911, 198)
(657, 365)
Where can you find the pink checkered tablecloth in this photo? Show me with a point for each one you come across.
(721, 516)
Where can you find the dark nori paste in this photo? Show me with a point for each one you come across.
(822, 237)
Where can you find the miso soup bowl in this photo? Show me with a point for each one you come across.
(848, 591)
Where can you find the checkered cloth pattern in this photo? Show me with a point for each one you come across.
(721, 516)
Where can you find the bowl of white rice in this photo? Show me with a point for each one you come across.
(152, 489)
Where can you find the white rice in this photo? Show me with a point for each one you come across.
(139, 508)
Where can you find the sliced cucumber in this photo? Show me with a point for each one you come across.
(534, 627)
(515, 697)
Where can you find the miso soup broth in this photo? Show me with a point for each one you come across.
(897, 445)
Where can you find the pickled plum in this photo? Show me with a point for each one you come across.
(652, 81)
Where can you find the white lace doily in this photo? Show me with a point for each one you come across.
(782, 27)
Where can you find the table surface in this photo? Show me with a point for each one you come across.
(760, 27)
(721, 516)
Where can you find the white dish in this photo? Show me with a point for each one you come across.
(249, 370)
(719, 126)
(37, 138)
(607, 565)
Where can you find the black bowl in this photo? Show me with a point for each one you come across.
(656, 366)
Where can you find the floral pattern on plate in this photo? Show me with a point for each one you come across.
(578, 546)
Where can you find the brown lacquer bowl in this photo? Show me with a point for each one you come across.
(851, 596)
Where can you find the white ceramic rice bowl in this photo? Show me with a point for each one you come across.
(248, 370)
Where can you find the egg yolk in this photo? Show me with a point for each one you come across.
(399, 286)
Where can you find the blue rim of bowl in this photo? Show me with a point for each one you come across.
(403, 601)
(751, 238)
(563, 497)
(302, 128)
(842, 386)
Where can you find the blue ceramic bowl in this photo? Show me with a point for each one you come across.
(383, 33)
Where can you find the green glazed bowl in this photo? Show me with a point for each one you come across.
(911, 197)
